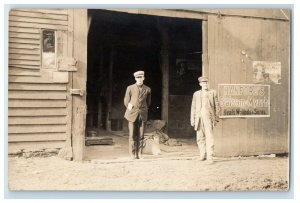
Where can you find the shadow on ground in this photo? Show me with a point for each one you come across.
(119, 150)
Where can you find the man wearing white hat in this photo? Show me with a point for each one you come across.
(204, 117)
(137, 101)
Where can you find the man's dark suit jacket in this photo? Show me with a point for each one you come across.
(140, 103)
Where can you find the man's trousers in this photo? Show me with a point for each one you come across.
(136, 137)
(205, 139)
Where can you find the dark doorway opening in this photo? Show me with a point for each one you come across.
(120, 44)
(185, 68)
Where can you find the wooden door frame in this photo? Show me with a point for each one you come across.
(79, 78)
(205, 57)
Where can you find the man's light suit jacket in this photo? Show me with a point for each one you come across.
(197, 104)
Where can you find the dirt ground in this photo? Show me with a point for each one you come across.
(108, 168)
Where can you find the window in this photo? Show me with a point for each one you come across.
(48, 49)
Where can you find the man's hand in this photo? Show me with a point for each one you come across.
(130, 106)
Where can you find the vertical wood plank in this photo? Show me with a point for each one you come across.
(212, 72)
(67, 51)
(165, 73)
(223, 75)
(100, 110)
(283, 53)
(246, 63)
(79, 82)
(250, 53)
(205, 68)
(109, 99)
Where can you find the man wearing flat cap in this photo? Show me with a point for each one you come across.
(204, 117)
(137, 101)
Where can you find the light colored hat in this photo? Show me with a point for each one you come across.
(203, 79)
(139, 74)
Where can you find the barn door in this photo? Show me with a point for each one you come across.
(234, 44)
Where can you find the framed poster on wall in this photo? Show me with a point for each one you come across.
(244, 100)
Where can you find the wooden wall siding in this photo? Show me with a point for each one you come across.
(165, 12)
(49, 144)
(37, 137)
(25, 37)
(261, 40)
(38, 106)
(19, 71)
(33, 86)
(36, 103)
(37, 120)
(19, 111)
(276, 14)
(279, 14)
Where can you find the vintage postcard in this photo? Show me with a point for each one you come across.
(149, 99)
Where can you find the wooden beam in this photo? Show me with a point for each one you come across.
(36, 137)
(165, 72)
(35, 47)
(36, 128)
(24, 51)
(46, 77)
(20, 94)
(24, 30)
(79, 82)
(24, 35)
(37, 14)
(205, 68)
(37, 120)
(63, 12)
(109, 99)
(25, 103)
(270, 14)
(32, 57)
(67, 39)
(28, 67)
(23, 72)
(24, 41)
(165, 12)
(100, 110)
(34, 145)
(37, 20)
(37, 112)
(36, 86)
(37, 25)
(24, 62)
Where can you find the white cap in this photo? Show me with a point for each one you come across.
(203, 79)
(139, 74)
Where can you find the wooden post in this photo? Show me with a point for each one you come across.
(165, 73)
(79, 82)
(67, 152)
(109, 99)
(100, 70)
(205, 68)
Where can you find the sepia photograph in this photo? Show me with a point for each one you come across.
(142, 99)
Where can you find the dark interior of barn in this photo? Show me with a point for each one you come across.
(120, 44)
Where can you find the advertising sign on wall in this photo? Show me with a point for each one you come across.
(266, 72)
(244, 100)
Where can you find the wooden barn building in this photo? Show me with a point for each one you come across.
(69, 69)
